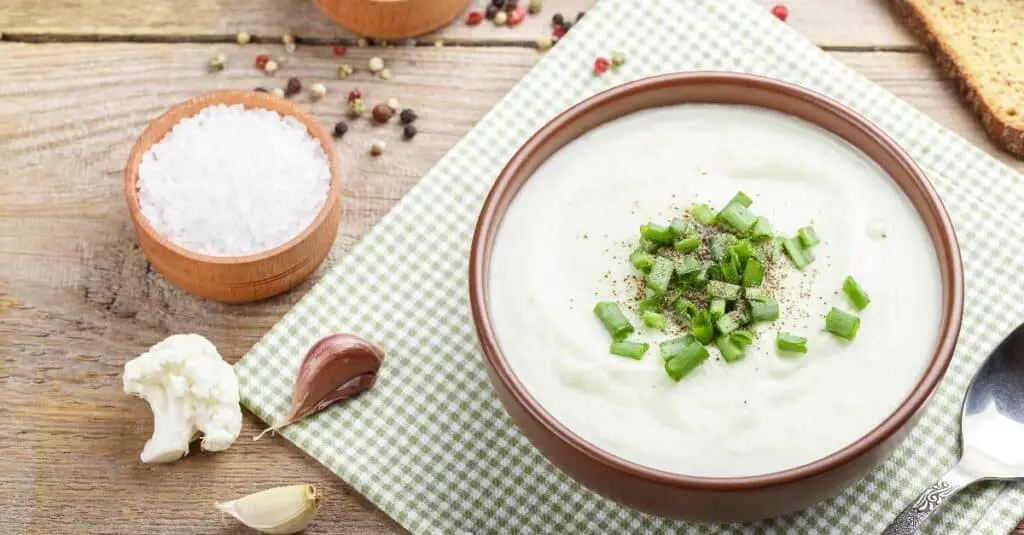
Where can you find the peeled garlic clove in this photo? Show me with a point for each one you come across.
(277, 511)
(337, 367)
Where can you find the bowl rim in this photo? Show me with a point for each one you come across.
(489, 220)
(163, 124)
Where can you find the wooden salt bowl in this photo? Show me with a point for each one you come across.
(238, 278)
(391, 19)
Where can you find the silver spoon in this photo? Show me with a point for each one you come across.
(991, 429)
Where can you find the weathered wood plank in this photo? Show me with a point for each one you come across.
(839, 23)
(77, 299)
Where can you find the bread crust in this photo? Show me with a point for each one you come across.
(1007, 136)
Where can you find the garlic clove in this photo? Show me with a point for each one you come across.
(276, 511)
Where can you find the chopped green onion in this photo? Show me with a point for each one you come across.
(687, 245)
(729, 292)
(842, 324)
(716, 308)
(660, 275)
(654, 320)
(808, 238)
(647, 245)
(762, 229)
(856, 294)
(800, 255)
(673, 348)
(740, 198)
(755, 294)
(633, 350)
(656, 233)
(641, 260)
(731, 268)
(737, 217)
(791, 342)
(686, 309)
(741, 337)
(753, 274)
(720, 243)
(731, 321)
(742, 250)
(686, 361)
(680, 228)
(650, 303)
(688, 267)
(613, 319)
(730, 351)
(703, 214)
(715, 273)
(702, 277)
(702, 327)
(766, 310)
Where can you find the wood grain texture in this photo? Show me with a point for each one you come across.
(835, 23)
(77, 298)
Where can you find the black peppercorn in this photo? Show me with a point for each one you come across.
(491, 11)
(566, 26)
(579, 16)
(558, 19)
(510, 5)
(407, 116)
(292, 87)
(260, 90)
(409, 131)
(340, 129)
(498, 3)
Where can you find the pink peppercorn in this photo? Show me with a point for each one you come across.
(355, 94)
(340, 51)
(601, 65)
(261, 61)
(474, 17)
(558, 32)
(780, 11)
(516, 16)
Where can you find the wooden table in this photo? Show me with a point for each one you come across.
(79, 79)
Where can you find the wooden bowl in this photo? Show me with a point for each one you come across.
(391, 19)
(236, 278)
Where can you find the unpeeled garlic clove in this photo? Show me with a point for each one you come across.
(337, 367)
(276, 511)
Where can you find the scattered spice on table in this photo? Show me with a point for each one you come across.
(232, 181)
(355, 94)
(409, 131)
(277, 92)
(340, 51)
(317, 91)
(475, 17)
(579, 16)
(377, 147)
(535, 6)
(381, 113)
(261, 61)
(491, 11)
(260, 90)
(618, 59)
(394, 105)
(218, 61)
(407, 116)
(340, 129)
(439, 43)
(243, 38)
(288, 39)
(289, 48)
(500, 18)
(362, 42)
(384, 74)
(292, 87)
(557, 19)
(270, 67)
(356, 107)
(516, 16)
(376, 64)
(344, 71)
(544, 43)
(601, 65)
(780, 11)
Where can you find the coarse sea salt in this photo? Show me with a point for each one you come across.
(233, 181)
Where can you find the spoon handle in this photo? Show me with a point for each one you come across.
(913, 517)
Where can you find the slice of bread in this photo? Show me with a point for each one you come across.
(980, 43)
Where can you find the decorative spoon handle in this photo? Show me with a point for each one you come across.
(913, 517)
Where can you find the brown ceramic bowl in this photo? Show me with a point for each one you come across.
(391, 19)
(236, 278)
(705, 498)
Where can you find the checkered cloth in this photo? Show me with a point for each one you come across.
(431, 445)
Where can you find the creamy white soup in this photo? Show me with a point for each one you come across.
(564, 245)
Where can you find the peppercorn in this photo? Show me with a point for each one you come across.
(544, 43)
(340, 128)
(243, 38)
(270, 67)
(535, 6)
(376, 64)
(780, 11)
(407, 116)
(500, 18)
(579, 16)
(289, 48)
(382, 113)
(261, 61)
(292, 87)
(277, 92)
(362, 42)
(474, 17)
(384, 74)
(557, 32)
(600, 65)
(356, 107)
(566, 26)
(340, 51)
(490, 12)
(557, 19)
(344, 71)
(288, 38)
(510, 5)
(218, 62)
(618, 59)
(317, 91)
(394, 105)
(439, 43)
(516, 16)
(409, 131)
(377, 147)
(498, 3)
(355, 94)
(260, 90)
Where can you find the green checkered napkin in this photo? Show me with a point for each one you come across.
(432, 446)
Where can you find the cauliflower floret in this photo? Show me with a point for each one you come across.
(191, 390)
